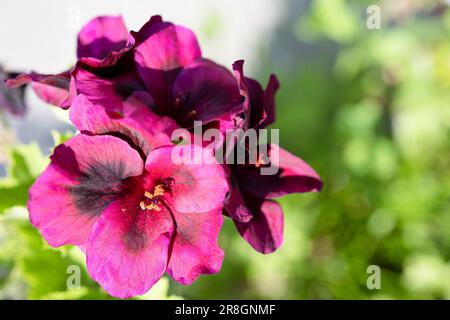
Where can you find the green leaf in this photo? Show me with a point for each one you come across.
(27, 162)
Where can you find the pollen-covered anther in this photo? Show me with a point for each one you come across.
(159, 190)
(151, 199)
(153, 206)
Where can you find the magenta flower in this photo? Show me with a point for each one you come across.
(119, 195)
(12, 100)
(257, 217)
(114, 190)
(162, 59)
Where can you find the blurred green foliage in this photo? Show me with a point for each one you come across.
(370, 110)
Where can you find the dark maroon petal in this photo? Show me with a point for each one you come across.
(54, 89)
(269, 101)
(234, 203)
(164, 46)
(294, 176)
(264, 232)
(131, 120)
(256, 97)
(159, 84)
(195, 250)
(243, 118)
(11, 99)
(109, 81)
(102, 35)
(128, 250)
(260, 104)
(208, 92)
(85, 175)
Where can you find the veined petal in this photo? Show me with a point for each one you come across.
(53, 89)
(131, 119)
(195, 250)
(127, 252)
(164, 46)
(162, 50)
(85, 175)
(109, 81)
(102, 35)
(264, 232)
(196, 187)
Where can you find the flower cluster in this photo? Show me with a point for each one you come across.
(114, 190)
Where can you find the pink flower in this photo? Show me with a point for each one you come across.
(119, 195)
(161, 59)
(257, 217)
(136, 88)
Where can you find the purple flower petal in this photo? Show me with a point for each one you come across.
(264, 232)
(127, 252)
(84, 176)
(196, 199)
(53, 89)
(242, 119)
(294, 176)
(102, 35)
(131, 120)
(109, 81)
(196, 187)
(164, 46)
(260, 104)
(162, 49)
(234, 203)
(195, 250)
(207, 92)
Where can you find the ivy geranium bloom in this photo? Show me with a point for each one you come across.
(115, 191)
(258, 218)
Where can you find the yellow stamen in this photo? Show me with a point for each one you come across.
(159, 190)
(148, 195)
(152, 206)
